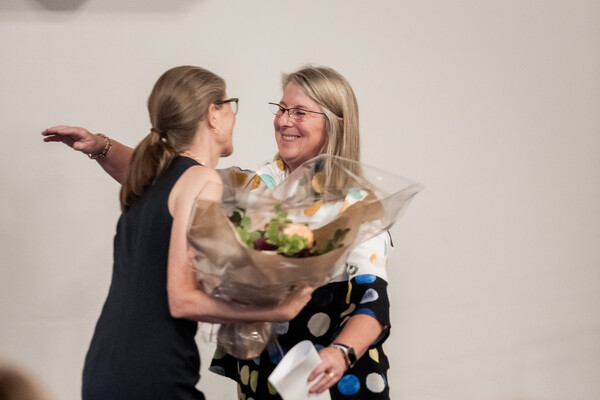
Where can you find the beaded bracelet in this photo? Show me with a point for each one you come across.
(107, 146)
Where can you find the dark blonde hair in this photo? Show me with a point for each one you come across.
(330, 90)
(179, 100)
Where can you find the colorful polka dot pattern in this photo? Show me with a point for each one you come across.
(312, 210)
(376, 382)
(268, 180)
(364, 292)
(370, 258)
(348, 385)
(319, 322)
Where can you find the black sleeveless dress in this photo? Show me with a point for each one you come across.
(138, 350)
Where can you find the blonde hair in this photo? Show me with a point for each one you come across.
(179, 100)
(330, 90)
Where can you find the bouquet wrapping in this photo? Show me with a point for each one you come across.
(255, 245)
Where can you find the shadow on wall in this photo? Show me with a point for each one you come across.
(94, 5)
(61, 5)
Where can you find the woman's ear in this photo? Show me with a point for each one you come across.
(212, 116)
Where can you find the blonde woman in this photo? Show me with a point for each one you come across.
(347, 319)
(143, 345)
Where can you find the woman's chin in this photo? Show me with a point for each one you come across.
(227, 152)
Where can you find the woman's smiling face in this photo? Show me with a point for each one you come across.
(299, 141)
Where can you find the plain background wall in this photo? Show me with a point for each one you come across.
(493, 105)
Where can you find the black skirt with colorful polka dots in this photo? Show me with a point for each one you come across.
(320, 322)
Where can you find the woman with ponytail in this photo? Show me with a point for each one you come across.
(143, 345)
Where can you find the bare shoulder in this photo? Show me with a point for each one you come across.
(196, 181)
(200, 175)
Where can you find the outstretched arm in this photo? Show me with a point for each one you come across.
(112, 156)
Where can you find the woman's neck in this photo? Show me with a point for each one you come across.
(203, 150)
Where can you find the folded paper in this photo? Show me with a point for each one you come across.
(290, 377)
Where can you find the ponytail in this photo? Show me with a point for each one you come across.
(149, 159)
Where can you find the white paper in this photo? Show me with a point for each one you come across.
(290, 377)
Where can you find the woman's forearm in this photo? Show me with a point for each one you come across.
(116, 162)
(360, 332)
(196, 305)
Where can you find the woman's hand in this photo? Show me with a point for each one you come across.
(79, 139)
(293, 303)
(331, 369)
(117, 159)
(359, 332)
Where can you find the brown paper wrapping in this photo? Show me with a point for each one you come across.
(229, 269)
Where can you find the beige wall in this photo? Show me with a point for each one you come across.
(494, 106)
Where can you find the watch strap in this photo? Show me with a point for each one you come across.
(349, 353)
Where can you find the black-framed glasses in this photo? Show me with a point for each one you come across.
(233, 102)
(297, 114)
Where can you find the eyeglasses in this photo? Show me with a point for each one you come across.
(296, 114)
(233, 102)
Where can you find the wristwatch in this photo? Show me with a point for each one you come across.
(348, 352)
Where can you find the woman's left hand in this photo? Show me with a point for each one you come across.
(331, 369)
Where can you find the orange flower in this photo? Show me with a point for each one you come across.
(300, 230)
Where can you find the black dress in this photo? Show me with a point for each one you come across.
(138, 350)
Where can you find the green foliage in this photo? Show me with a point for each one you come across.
(291, 246)
(242, 226)
(287, 245)
(334, 243)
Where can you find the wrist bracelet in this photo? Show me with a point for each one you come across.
(104, 152)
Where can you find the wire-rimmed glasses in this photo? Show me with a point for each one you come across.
(295, 113)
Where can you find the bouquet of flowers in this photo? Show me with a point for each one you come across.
(255, 245)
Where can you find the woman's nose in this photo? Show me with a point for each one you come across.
(284, 119)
